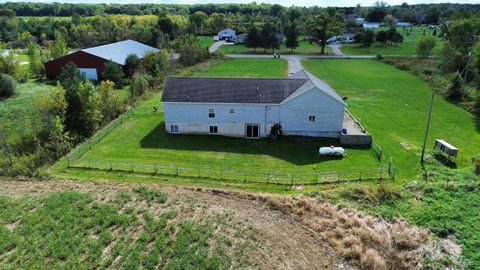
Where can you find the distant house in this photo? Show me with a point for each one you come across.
(371, 25)
(343, 38)
(248, 107)
(240, 39)
(4, 52)
(227, 35)
(91, 61)
(359, 21)
(403, 24)
(280, 37)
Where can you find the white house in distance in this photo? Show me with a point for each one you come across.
(226, 34)
(248, 107)
(371, 25)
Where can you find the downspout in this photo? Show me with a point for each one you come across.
(265, 125)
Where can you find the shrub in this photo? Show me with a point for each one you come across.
(455, 88)
(113, 72)
(425, 46)
(7, 86)
(133, 63)
(9, 65)
(139, 85)
(476, 164)
(156, 64)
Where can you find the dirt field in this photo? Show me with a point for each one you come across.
(261, 231)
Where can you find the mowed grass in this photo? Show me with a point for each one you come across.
(247, 68)
(408, 47)
(205, 41)
(142, 139)
(304, 48)
(393, 104)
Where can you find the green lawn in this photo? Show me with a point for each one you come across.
(408, 47)
(205, 41)
(247, 68)
(142, 139)
(392, 104)
(18, 111)
(304, 48)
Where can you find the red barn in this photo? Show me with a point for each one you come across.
(91, 61)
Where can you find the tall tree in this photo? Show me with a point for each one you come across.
(59, 47)
(268, 37)
(36, 66)
(197, 22)
(324, 26)
(166, 25)
(253, 39)
(292, 37)
(368, 38)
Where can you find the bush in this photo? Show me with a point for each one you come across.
(139, 85)
(455, 90)
(156, 64)
(425, 46)
(7, 86)
(476, 164)
(133, 63)
(113, 72)
(9, 65)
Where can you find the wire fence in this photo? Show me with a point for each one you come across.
(244, 176)
(377, 150)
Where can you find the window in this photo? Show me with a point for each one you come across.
(211, 113)
(173, 128)
(213, 129)
(311, 118)
(232, 110)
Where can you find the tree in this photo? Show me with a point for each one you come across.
(59, 47)
(111, 105)
(166, 25)
(36, 66)
(268, 37)
(217, 22)
(113, 72)
(139, 85)
(397, 38)
(253, 39)
(132, 62)
(156, 64)
(197, 22)
(381, 36)
(8, 86)
(368, 39)
(425, 46)
(389, 20)
(70, 78)
(455, 87)
(190, 50)
(292, 37)
(89, 113)
(324, 26)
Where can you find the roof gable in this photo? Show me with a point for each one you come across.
(117, 52)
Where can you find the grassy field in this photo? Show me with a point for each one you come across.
(142, 138)
(205, 41)
(18, 111)
(408, 47)
(247, 68)
(392, 104)
(304, 48)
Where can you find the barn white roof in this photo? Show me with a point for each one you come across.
(117, 52)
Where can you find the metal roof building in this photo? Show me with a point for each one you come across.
(91, 61)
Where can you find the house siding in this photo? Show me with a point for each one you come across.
(293, 115)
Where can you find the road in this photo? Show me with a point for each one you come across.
(215, 46)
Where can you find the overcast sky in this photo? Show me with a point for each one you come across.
(323, 3)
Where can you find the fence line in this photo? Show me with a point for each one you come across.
(245, 176)
(78, 152)
(377, 150)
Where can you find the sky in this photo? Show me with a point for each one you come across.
(322, 3)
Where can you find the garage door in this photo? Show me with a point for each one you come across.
(90, 73)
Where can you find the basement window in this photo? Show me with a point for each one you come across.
(211, 113)
(173, 128)
(213, 129)
(232, 110)
(311, 118)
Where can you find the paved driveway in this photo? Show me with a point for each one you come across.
(215, 46)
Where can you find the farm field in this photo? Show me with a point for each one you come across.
(392, 104)
(304, 48)
(408, 47)
(142, 139)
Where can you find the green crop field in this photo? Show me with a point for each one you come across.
(304, 48)
(393, 104)
(408, 47)
(142, 139)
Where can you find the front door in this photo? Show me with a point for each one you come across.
(252, 131)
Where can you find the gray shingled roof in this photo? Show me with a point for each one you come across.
(229, 90)
(117, 52)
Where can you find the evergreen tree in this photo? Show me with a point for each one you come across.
(36, 66)
(455, 87)
(113, 72)
(368, 38)
(292, 37)
(253, 39)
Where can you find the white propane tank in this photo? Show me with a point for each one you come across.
(331, 151)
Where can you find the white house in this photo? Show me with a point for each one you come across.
(249, 107)
(371, 25)
(359, 21)
(227, 35)
(403, 24)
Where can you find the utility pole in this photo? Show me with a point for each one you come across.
(426, 129)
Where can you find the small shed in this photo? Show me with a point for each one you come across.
(240, 39)
(446, 148)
